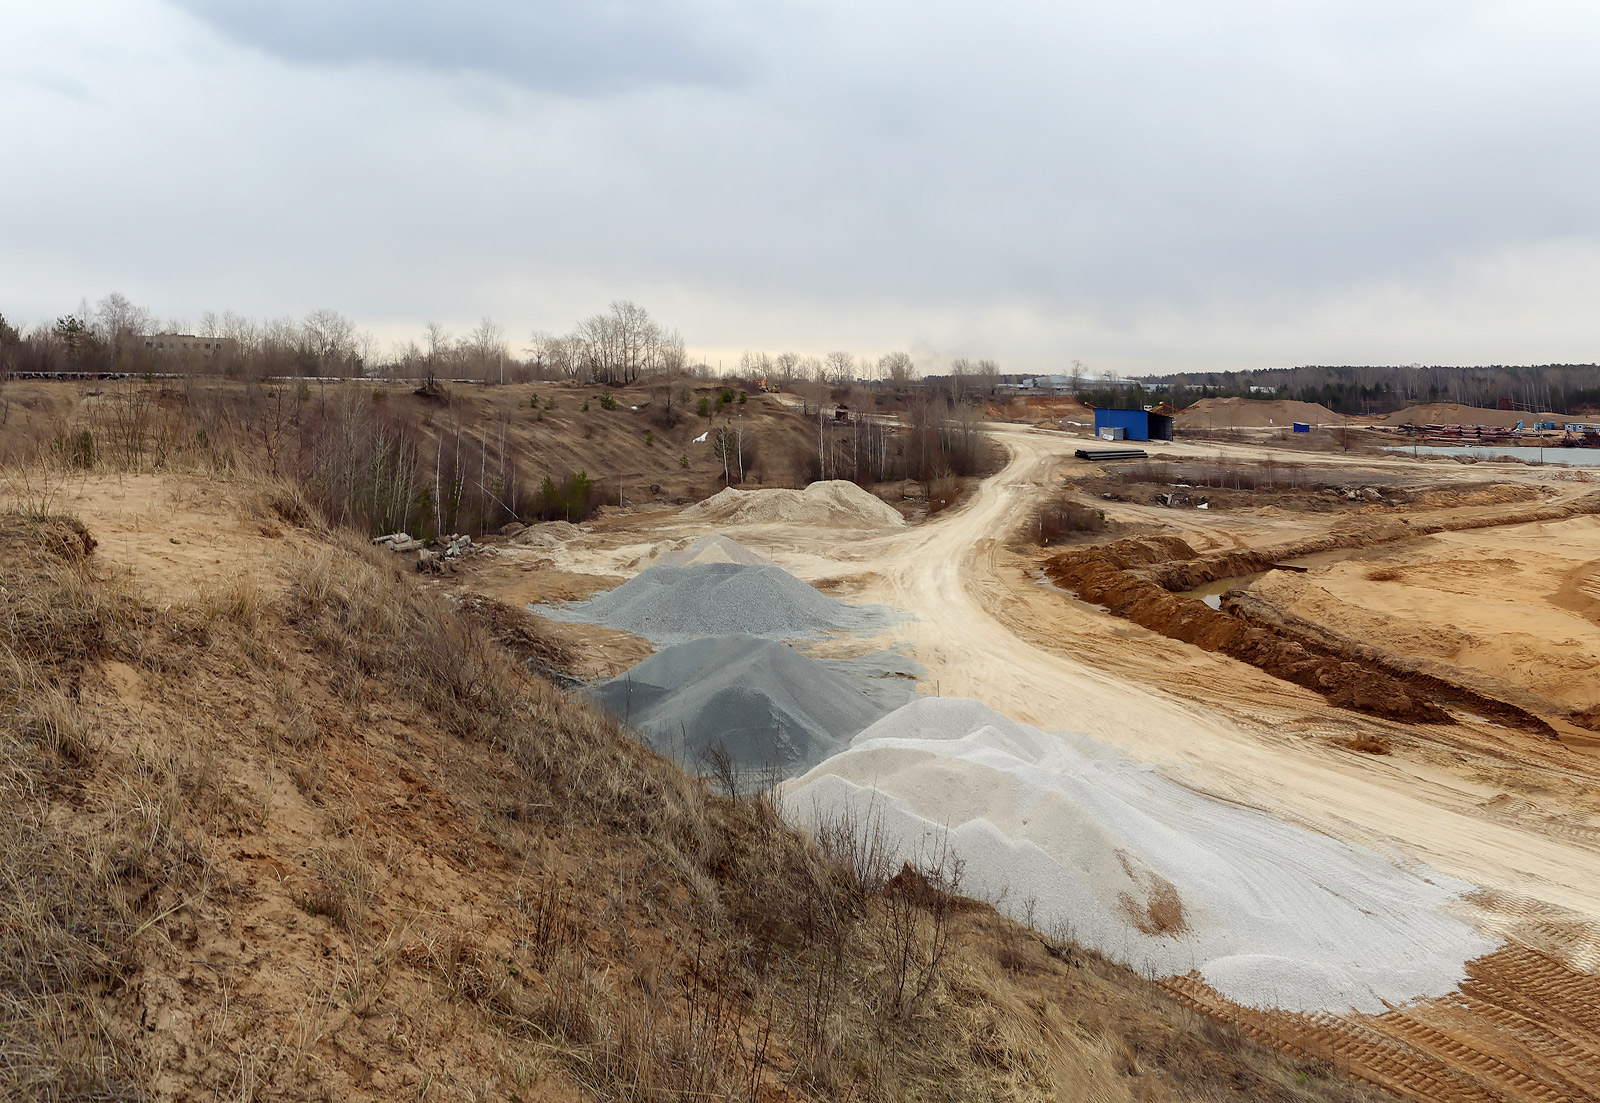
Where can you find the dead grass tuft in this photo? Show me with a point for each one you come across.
(73, 896)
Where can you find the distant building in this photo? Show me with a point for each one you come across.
(1132, 425)
(175, 344)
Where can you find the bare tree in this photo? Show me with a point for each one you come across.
(621, 344)
(787, 366)
(841, 368)
(988, 375)
(438, 351)
(115, 319)
(328, 339)
(819, 374)
(898, 368)
(961, 372)
(487, 346)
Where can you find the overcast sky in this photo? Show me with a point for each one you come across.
(1144, 186)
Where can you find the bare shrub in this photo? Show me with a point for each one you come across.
(1062, 517)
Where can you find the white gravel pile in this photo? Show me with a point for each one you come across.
(834, 503)
(1271, 914)
(666, 605)
(768, 705)
(713, 549)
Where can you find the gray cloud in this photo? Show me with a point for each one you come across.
(1148, 183)
(571, 47)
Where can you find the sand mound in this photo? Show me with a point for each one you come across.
(1252, 413)
(546, 534)
(667, 604)
(1450, 413)
(765, 703)
(836, 502)
(713, 549)
(1144, 869)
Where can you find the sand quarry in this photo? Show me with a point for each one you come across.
(1416, 901)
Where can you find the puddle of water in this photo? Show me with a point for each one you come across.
(1211, 592)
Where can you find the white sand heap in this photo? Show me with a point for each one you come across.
(1145, 870)
(835, 503)
(667, 604)
(546, 534)
(766, 704)
(713, 549)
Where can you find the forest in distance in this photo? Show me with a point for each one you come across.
(1372, 390)
(624, 342)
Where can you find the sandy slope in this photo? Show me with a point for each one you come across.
(1452, 413)
(984, 631)
(1522, 621)
(1254, 413)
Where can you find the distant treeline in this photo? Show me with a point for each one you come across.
(1561, 388)
(116, 336)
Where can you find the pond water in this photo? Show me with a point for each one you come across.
(1211, 592)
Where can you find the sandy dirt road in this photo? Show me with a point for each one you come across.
(985, 629)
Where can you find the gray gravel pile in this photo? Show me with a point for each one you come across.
(713, 549)
(766, 704)
(666, 605)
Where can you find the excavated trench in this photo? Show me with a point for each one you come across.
(1145, 580)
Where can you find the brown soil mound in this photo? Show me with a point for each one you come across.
(1251, 413)
(1142, 578)
(1588, 719)
(1101, 575)
(35, 541)
(1450, 413)
(1185, 573)
(1497, 494)
(1484, 1044)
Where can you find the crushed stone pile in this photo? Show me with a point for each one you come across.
(766, 704)
(713, 549)
(666, 605)
(834, 503)
(1143, 869)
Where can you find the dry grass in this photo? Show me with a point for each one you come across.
(70, 898)
(1062, 517)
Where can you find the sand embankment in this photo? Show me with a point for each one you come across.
(1253, 413)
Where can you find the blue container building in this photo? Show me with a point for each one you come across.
(1136, 424)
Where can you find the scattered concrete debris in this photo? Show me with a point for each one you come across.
(1177, 500)
(433, 559)
(397, 542)
(1358, 493)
